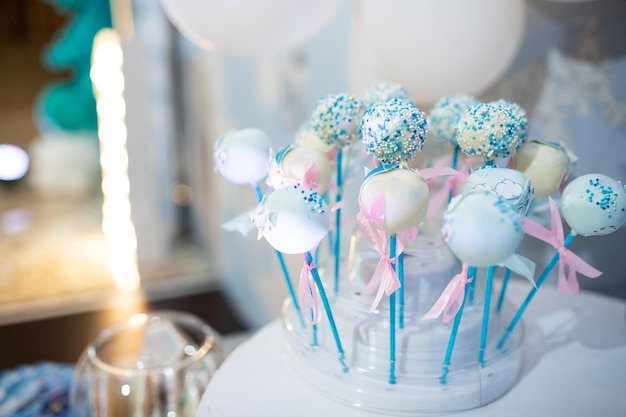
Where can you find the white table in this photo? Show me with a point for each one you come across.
(574, 365)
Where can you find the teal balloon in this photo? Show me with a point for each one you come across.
(70, 104)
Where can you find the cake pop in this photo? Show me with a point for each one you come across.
(490, 130)
(592, 204)
(392, 199)
(241, 156)
(482, 228)
(445, 114)
(336, 119)
(393, 131)
(385, 91)
(545, 163)
(292, 219)
(300, 163)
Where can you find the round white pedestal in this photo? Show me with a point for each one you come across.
(573, 365)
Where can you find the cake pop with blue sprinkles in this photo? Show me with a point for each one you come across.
(594, 204)
(490, 130)
(393, 131)
(336, 119)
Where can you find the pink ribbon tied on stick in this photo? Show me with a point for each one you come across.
(451, 299)
(384, 277)
(307, 293)
(567, 282)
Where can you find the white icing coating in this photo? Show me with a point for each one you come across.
(508, 183)
(594, 204)
(545, 164)
(292, 219)
(482, 228)
(241, 156)
(294, 164)
(406, 198)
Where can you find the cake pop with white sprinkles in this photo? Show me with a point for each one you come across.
(393, 131)
(445, 114)
(386, 91)
(594, 204)
(490, 130)
(337, 118)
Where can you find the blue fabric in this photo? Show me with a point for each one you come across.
(40, 390)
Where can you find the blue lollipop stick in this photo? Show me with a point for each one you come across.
(401, 290)
(338, 221)
(392, 318)
(486, 310)
(533, 291)
(283, 267)
(471, 273)
(329, 313)
(505, 282)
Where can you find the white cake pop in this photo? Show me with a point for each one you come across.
(393, 131)
(445, 114)
(594, 204)
(490, 130)
(386, 91)
(241, 156)
(508, 183)
(481, 228)
(404, 198)
(303, 164)
(545, 163)
(292, 219)
(337, 119)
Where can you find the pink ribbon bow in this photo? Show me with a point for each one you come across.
(440, 198)
(384, 277)
(567, 282)
(450, 300)
(307, 294)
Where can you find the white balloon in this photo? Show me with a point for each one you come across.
(249, 28)
(435, 48)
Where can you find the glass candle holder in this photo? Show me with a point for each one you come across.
(154, 364)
